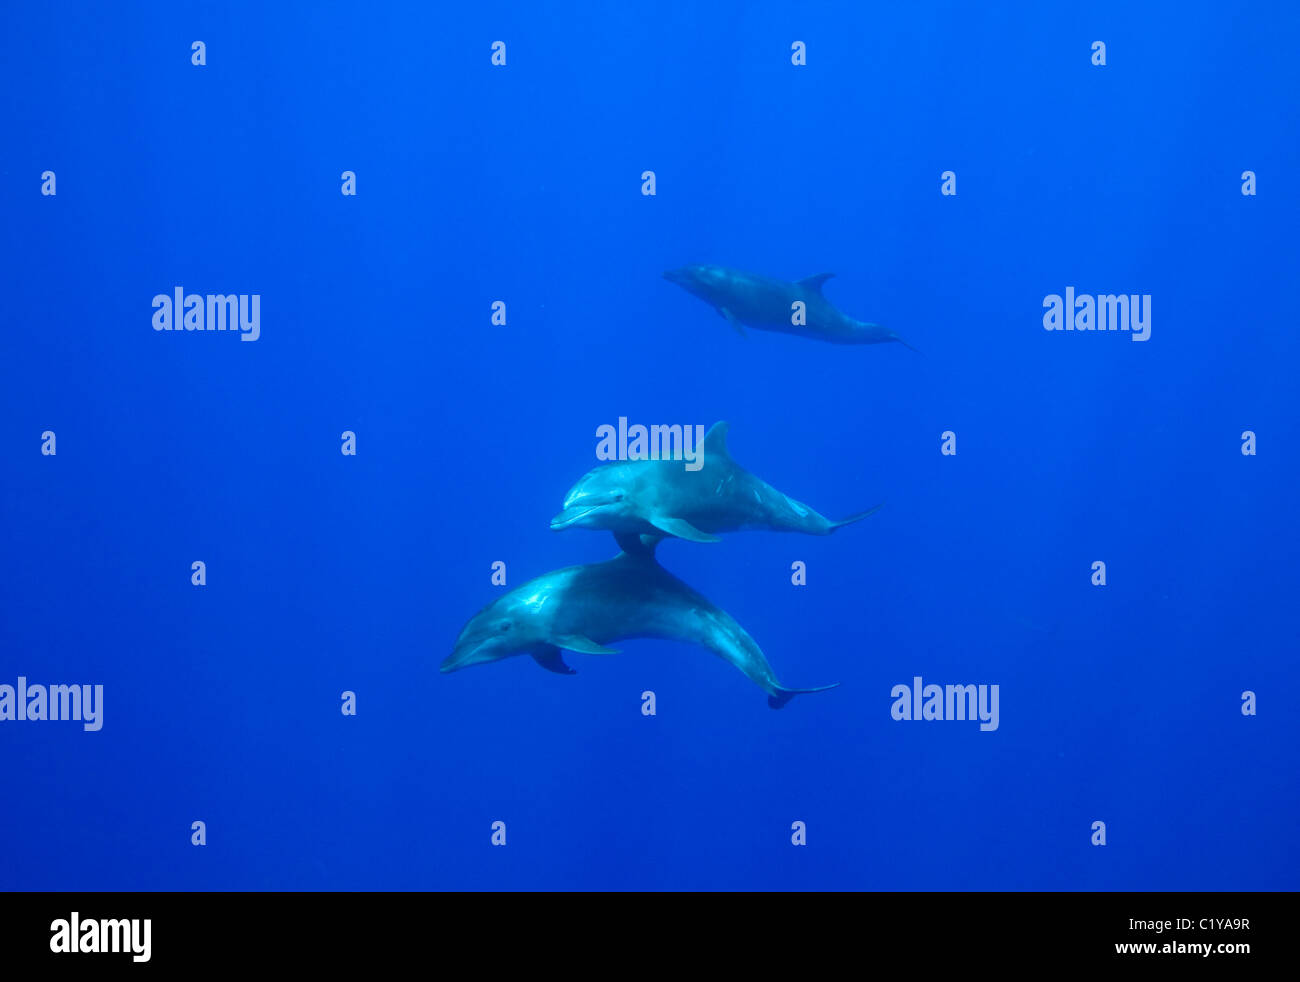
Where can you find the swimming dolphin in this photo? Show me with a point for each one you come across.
(584, 608)
(750, 300)
(661, 497)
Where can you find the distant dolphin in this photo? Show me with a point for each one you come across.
(661, 497)
(766, 304)
(583, 608)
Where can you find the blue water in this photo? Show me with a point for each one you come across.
(325, 572)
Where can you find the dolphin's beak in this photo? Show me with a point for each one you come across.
(568, 517)
(461, 657)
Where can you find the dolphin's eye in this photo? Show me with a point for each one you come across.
(505, 626)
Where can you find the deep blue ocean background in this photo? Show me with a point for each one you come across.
(523, 183)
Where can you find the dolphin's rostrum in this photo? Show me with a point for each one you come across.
(585, 608)
(767, 304)
(661, 497)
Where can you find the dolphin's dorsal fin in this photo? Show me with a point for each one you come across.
(814, 283)
(637, 545)
(715, 441)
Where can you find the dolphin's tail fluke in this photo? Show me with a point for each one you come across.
(895, 337)
(854, 518)
(783, 695)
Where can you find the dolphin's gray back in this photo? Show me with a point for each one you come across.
(766, 303)
(585, 608)
(632, 596)
(759, 301)
(724, 497)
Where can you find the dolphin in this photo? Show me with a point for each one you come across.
(584, 608)
(661, 497)
(751, 300)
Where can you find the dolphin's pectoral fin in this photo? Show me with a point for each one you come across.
(731, 319)
(549, 658)
(576, 642)
(814, 283)
(682, 529)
